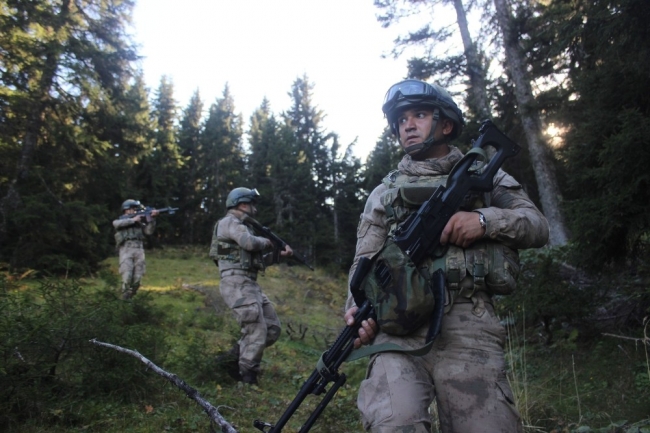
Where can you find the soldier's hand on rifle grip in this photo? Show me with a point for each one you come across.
(463, 229)
(154, 213)
(287, 252)
(368, 329)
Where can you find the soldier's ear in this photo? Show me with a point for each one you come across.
(447, 126)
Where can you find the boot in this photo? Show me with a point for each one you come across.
(249, 377)
(229, 362)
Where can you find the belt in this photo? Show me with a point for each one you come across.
(249, 274)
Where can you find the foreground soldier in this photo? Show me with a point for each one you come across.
(239, 255)
(465, 369)
(129, 238)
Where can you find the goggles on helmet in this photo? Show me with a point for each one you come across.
(253, 194)
(411, 90)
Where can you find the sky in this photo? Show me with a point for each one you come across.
(260, 47)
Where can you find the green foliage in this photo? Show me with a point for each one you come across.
(57, 237)
(607, 149)
(575, 383)
(45, 349)
(544, 296)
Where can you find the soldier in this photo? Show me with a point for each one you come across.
(239, 254)
(465, 369)
(129, 237)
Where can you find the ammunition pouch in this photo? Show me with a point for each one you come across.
(485, 266)
(399, 291)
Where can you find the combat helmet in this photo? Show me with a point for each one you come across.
(416, 93)
(130, 203)
(241, 195)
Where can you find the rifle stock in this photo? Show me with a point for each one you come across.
(418, 236)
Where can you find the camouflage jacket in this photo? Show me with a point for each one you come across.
(511, 216)
(235, 246)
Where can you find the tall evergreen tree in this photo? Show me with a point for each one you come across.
(158, 171)
(312, 187)
(189, 186)
(65, 66)
(222, 160)
(607, 146)
(347, 206)
(383, 158)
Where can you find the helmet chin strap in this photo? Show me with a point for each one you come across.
(420, 148)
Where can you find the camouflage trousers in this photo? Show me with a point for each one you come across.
(132, 267)
(464, 372)
(259, 323)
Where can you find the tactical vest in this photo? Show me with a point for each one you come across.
(222, 249)
(129, 233)
(486, 265)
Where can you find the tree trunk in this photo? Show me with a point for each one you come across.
(540, 157)
(475, 70)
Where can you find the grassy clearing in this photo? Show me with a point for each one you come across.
(571, 386)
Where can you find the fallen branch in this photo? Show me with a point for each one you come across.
(192, 393)
(645, 340)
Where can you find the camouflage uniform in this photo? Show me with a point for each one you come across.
(129, 238)
(465, 370)
(239, 255)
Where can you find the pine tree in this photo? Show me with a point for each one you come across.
(311, 187)
(222, 159)
(383, 158)
(188, 183)
(67, 74)
(607, 146)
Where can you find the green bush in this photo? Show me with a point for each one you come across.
(46, 354)
(545, 295)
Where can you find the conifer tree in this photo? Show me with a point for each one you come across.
(311, 185)
(383, 158)
(67, 73)
(607, 146)
(222, 158)
(189, 186)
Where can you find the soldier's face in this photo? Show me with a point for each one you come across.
(248, 208)
(414, 126)
(129, 211)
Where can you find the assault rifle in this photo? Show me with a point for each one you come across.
(327, 369)
(146, 212)
(418, 236)
(278, 243)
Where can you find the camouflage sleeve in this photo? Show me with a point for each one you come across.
(120, 223)
(233, 229)
(511, 216)
(150, 227)
(371, 233)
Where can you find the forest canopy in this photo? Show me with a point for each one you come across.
(80, 132)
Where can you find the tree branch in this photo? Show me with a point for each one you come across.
(192, 393)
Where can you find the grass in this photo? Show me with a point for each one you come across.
(574, 385)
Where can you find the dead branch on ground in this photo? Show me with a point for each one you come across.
(213, 412)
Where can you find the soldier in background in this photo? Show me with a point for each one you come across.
(129, 238)
(239, 254)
